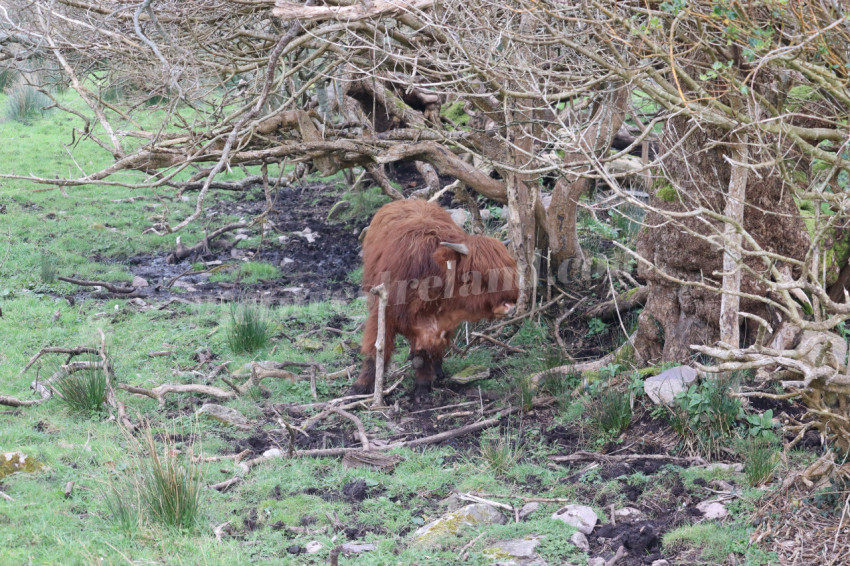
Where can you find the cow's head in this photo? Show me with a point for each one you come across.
(482, 274)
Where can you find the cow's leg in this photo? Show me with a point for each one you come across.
(366, 380)
(423, 364)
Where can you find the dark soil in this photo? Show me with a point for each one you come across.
(314, 266)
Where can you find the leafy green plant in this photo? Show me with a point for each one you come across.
(501, 453)
(611, 412)
(760, 458)
(249, 328)
(760, 425)
(25, 103)
(704, 416)
(596, 326)
(170, 487)
(83, 391)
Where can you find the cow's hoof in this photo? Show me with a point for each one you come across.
(360, 389)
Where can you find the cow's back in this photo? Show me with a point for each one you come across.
(402, 238)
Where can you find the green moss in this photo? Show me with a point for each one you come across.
(667, 193)
(455, 113)
(11, 462)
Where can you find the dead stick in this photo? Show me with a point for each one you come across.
(607, 459)
(14, 402)
(226, 484)
(381, 292)
(69, 487)
(6, 497)
(51, 350)
(361, 430)
(498, 342)
(108, 286)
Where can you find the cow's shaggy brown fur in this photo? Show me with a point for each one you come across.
(432, 288)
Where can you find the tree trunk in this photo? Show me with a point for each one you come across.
(730, 302)
(563, 211)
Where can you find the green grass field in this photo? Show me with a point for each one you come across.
(86, 234)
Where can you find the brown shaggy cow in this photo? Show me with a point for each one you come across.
(437, 276)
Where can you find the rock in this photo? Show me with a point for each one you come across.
(580, 541)
(307, 234)
(726, 467)
(313, 547)
(660, 563)
(596, 562)
(459, 520)
(515, 552)
(309, 344)
(528, 509)
(629, 514)
(470, 374)
(836, 356)
(712, 509)
(11, 462)
(139, 282)
(139, 302)
(224, 414)
(355, 547)
(286, 261)
(581, 517)
(720, 485)
(664, 387)
(240, 237)
(460, 216)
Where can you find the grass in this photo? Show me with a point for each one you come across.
(760, 459)
(47, 269)
(249, 328)
(709, 543)
(501, 453)
(25, 103)
(170, 486)
(140, 503)
(84, 391)
(610, 413)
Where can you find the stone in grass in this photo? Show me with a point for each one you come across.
(11, 462)
(225, 415)
(515, 552)
(580, 541)
(470, 374)
(313, 547)
(712, 509)
(528, 509)
(663, 388)
(458, 521)
(581, 517)
(355, 547)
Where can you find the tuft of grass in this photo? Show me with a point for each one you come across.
(8, 77)
(760, 459)
(125, 511)
(84, 391)
(502, 453)
(25, 103)
(249, 328)
(170, 488)
(611, 412)
(47, 268)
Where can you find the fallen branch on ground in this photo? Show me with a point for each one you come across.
(158, 393)
(433, 439)
(624, 302)
(14, 402)
(181, 252)
(105, 284)
(582, 456)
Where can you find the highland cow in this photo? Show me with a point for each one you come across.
(436, 276)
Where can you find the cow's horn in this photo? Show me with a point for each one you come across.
(459, 248)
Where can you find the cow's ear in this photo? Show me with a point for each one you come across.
(446, 259)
